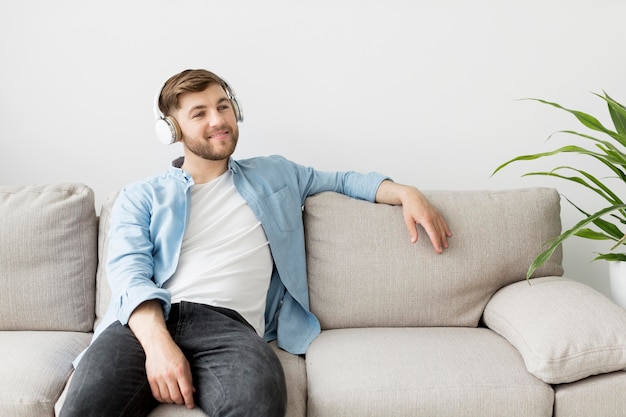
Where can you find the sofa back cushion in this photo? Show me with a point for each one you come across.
(103, 295)
(364, 272)
(48, 257)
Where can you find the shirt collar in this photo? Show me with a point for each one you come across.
(178, 163)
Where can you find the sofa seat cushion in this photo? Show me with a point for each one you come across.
(426, 372)
(35, 368)
(601, 395)
(175, 410)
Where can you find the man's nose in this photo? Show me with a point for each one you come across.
(215, 118)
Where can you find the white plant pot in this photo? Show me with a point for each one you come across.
(617, 279)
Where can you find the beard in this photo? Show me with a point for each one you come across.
(213, 152)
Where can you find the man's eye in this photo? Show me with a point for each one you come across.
(223, 107)
(197, 115)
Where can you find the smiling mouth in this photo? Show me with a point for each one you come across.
(218, 135)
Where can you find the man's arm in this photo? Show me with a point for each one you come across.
(417, 210)
(167, 368)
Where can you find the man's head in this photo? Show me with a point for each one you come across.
(199, 109)
(192, 81)
(168, 100)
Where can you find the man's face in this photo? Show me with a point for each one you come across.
(208, 123)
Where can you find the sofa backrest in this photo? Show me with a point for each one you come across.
(103, 295)
(48, 257)
(363, 270)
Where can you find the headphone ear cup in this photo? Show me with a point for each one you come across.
(167, 130)
(233, 99)
(238, 110)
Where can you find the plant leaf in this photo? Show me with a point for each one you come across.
(608, 227)
(584, 118)
(547, 253)
(564, 149)
(615, 155)
(619, 242)
(601, 189)
(611, 257)
(617, 112)
(612, 156)
(591, 234)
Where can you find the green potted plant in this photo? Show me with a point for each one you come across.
(610, 150)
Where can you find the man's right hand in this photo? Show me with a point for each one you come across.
(167, 368)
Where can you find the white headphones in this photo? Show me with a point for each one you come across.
(167, 128)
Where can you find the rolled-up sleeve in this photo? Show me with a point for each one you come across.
(130, 264)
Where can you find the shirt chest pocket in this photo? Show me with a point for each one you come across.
(286, 210)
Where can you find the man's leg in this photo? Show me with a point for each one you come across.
(236, 374)
(110, 379)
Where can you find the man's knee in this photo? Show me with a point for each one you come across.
(261, 395)
(267, 393)
(254, 386)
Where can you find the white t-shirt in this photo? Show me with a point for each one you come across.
(225, 260)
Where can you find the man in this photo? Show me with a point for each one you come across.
(207, 263)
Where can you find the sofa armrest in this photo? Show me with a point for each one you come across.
(563, 329)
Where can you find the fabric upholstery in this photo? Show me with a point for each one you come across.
(434, 372)
(601, 395)
(564, 330)
(35, 367)
(174, 410)
(48, 257)
(421, 355)
(103, 290)
(363, 270)
(295, 376)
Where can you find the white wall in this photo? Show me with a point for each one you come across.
(424, 91)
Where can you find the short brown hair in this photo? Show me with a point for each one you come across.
(187, 81)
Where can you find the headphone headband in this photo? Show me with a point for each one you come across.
(167, 128)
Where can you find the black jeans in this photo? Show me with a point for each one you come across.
(234, 371)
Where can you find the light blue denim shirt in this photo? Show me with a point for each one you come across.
(149, 218)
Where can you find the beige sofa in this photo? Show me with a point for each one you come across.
(406, 332)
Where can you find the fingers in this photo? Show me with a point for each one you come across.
(412, 226)
(439, 233)
(173, 386)
(436, 240)
(439, 237)
(173, 392)
(187, 390)
(436, 228)
(418, 210)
